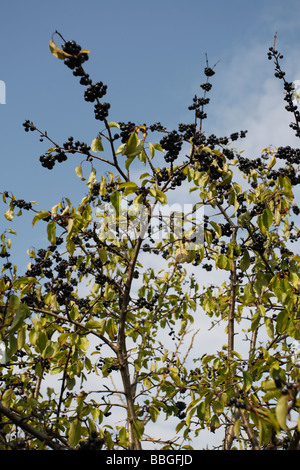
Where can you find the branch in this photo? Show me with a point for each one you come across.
(19, 421)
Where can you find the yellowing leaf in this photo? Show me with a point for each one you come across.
(114, 124)
(78, 171)
(181, 255)
(96, 145)
(57, 52)
(281, 411)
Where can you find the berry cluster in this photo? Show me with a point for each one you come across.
(59, 154)
(181, 406)
(172, 143)
(97, 90)
(209, 72)
(187, 131)
(126, 130)
(94, 442)
(289, 154)
(258, 245)
(101, 111)
(41, 263)
(75, 62)
(21, 204)
(94, 91)
(28, 125)
(157, 127)
(143, 303)
(197, 105)
(163, 175)
(48, 160)
(289, 90)
(178, 178)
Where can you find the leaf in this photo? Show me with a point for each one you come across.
(159, 195)
(151, 149)
(281, 411)
(247, 381)
(78, 171)
(217, 228)
(115, 199)
(181, 255)
(131, 143)
(51, 232)
(9, 214)
(128, 162)
(223, 262)
(75, 432)
(22, 313)
(57, 52)
(138, 429)
(96, 325)
(96, 145)
(236, 427)
(7, 397)
(267, 217)
(245, 261)
(13, 303)
(264, 221)
(21, 338)
(40, 215)
(114, 124)
(134, 146)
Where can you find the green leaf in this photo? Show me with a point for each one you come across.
(223, 262)
(115, 199)
(21, 338)
(264, 221)
(23, 281)
(40, 215)
(75, 432)
(41, 340)
(51, 232)
(236, 427)
(13, 303)
(7, 397)
(159, 195)
(267, 217)
(138, 428)
(151, 149)
(247, 381)
(128, 162)
(96, 325)
(134, 146)
(131, 143)
(22, 313)
(217, 228)
(129, 188)
(245, 261)
(269, 327)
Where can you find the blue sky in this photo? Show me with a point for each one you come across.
(151, 55)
